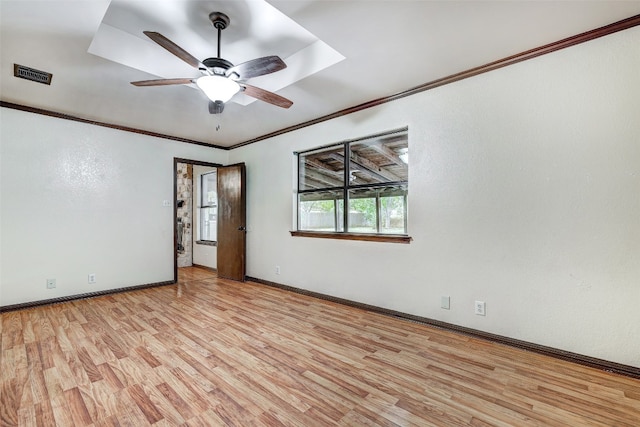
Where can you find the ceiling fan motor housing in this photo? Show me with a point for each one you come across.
(218, 65)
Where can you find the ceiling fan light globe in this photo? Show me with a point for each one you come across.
(218, 88)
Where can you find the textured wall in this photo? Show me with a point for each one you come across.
(78, 199)
(524, 192)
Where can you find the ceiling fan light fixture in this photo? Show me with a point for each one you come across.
(219, 80)
(218, 88)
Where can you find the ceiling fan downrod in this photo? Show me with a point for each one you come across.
(217, 65)
(220, 21)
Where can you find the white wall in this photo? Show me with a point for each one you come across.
(78, 199)
(524, 192)
(202, 254)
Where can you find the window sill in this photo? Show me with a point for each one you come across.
(206, 243)
(387, 238)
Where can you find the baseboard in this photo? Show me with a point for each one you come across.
(32, 304)
(605, 365)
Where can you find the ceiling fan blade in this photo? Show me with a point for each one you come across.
(162, 82)
(266, 96)
(257, 67)
(174, 49)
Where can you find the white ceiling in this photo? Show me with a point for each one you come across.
(388, 47)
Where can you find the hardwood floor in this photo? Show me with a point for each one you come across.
(208, 352)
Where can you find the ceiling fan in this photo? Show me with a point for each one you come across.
(220, 79)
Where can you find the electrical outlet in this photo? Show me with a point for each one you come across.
(51, 283)
(91, 279)
(277, 269)
(480, 308)
(445, 302)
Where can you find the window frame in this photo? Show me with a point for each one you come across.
(202, 206)
(346, 188)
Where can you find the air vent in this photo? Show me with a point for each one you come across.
(32, 74)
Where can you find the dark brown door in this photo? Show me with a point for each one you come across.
(231, 222)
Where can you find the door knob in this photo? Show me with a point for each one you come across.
(242, 228)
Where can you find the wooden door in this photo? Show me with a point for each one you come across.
(231, 222)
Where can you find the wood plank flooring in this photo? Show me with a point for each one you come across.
(210, 352)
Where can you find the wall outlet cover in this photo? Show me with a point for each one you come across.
(445, 302)
(480, 308)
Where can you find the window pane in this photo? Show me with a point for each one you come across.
(378, 210)
(392, 215)
(321, 211)
(363, 215)
(209, 194)
(379, 160)
(322, 168)
(208, 224)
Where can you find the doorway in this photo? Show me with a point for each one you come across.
(209, 217)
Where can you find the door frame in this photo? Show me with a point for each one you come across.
(177, 160)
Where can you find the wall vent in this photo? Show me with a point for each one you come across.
(32, 74)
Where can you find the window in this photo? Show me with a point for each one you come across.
(355, 187)
(208, 207)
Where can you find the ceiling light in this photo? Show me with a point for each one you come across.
(218, 88)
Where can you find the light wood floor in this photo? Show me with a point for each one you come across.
(209, 352)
